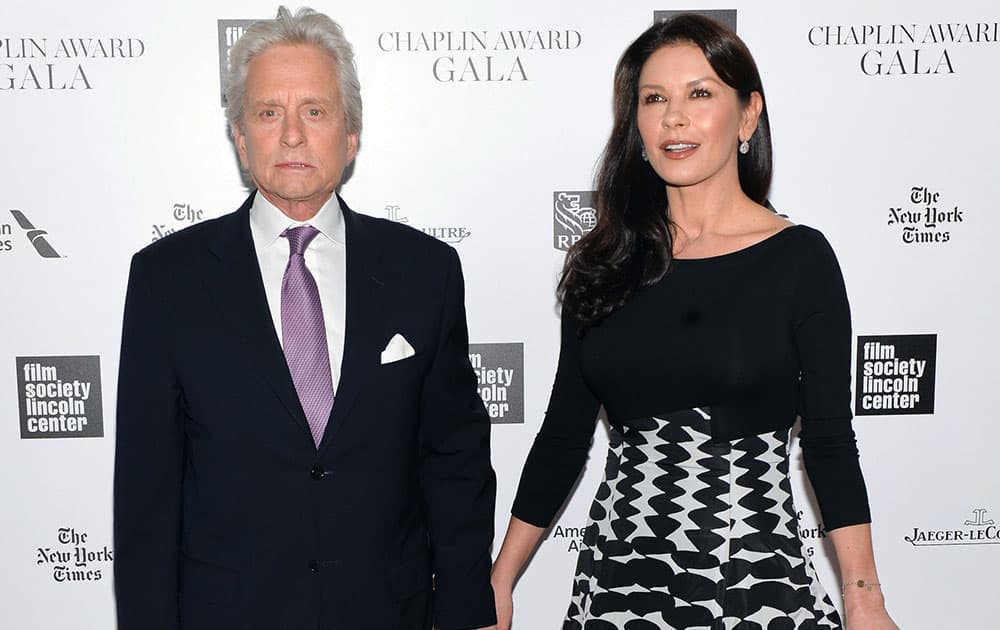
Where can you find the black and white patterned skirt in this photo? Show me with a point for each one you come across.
(687, 533)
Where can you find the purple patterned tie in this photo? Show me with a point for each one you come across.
(303, 333)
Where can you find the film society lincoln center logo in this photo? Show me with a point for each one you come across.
(895, 375)
(60, 397)
(726, 16)
(500, 370)
(229, 32)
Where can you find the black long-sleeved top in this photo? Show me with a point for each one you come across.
(760, 336)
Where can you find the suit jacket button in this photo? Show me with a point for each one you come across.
(314, 566)
(317, 472)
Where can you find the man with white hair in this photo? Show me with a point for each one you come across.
(300, 441)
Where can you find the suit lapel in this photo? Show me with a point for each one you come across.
(236, 285)
(365, 316)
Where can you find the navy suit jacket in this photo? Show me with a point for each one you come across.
(226, 515)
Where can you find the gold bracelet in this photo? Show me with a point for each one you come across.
(860, 584)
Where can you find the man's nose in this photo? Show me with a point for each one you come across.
(292, 132)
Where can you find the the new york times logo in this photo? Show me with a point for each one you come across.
(182, 215)
(895, 375)
(978, 530)
(573, 216)
(35, 236)
(451, 234)
(810, 536)
(74, 558)
(905, 49)
(922, 220)
(500, 370)
(60, 397)
(726, 16)
(229, 32)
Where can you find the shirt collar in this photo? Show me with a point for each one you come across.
(267, 222)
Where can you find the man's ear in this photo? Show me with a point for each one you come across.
(240, 139)
(352, 146)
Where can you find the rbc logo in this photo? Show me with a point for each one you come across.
(573, 216)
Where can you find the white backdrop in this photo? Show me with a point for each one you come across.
(137, 147)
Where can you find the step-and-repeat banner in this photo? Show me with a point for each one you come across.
(483, 123)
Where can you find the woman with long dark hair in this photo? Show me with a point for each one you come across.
(704, 324)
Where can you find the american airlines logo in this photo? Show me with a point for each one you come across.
(35, 236)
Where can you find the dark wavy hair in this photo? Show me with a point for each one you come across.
(631, 245)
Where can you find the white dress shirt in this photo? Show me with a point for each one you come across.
(326, 259)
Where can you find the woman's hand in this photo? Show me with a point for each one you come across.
(503, 594)
(864, 605)
(520, 541)
(865, 610)
(869, 620)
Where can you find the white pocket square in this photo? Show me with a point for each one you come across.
(397, 349)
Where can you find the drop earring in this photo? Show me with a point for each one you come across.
(744, 147)
(645, 158)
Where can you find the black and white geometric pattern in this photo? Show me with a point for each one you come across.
(689, 533)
